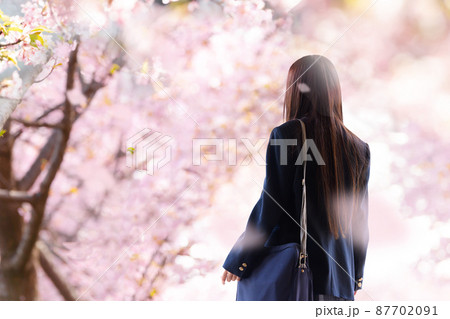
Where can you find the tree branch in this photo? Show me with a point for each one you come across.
(54, 163)
(32, 174)
(35, 169)
(16, 196)
(62, 136)
(50, 110)
(56, 278)
(71, 68)
(82, 81)
(40, 117)
(51, 71)
(36, 124)
(147, 266)
(23, 251)
(3, 45)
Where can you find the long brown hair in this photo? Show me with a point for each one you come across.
(313, 94)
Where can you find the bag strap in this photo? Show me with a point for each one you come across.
(303, 222)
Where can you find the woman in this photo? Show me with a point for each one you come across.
(337, 178)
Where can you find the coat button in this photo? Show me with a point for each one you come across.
(244, 264)
(241, 269)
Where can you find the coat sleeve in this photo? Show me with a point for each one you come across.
(249, 248)
(361, 226)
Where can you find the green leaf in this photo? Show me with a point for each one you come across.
(14, 29)
(8, 26)
(4, 54)
(131, 150)
(2, 132)
(41, 29)
(36, 37)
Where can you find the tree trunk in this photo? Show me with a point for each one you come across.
(17, 284)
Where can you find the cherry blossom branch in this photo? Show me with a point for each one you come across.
(89, 91)
(52, 109)
(54, 163)
(81, 78)
(158, 273)
(51, 71)
(3, 45)
(37, 124)
(71, 67)
(44, 114)
(149, 263)
(35, 169)
(62, 136)
(16, 196)
(23, 251)
(56, 278)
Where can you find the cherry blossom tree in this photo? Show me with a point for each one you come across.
(68, 200)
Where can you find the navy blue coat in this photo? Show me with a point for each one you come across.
(337, 265)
